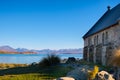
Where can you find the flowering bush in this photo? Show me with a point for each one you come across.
(92, 74)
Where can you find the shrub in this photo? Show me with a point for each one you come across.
(50, 60)
(115, 60)
(92, 74)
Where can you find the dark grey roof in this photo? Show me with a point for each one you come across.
(109, 18)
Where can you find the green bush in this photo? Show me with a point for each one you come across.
(92, 74)
(50, 60)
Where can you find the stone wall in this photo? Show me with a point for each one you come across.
(99, 54)
(100, 51)
(85, 53)
(109, 52)
(91, 53)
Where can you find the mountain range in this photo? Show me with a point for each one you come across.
(8, 49)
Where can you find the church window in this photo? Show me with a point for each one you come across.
(97, 39)
(89, 41)
(103, 39)
(106, 38)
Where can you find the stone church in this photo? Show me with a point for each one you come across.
(103, 38)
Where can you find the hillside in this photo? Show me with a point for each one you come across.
(8, 49)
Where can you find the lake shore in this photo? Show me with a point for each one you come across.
(30, 58)
(34, 71)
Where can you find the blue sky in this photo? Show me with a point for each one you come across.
(53, 24)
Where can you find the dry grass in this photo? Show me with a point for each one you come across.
(115, 60)
(50, 60)
(6, 65)
(48, 73)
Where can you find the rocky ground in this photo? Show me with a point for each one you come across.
(80, 71)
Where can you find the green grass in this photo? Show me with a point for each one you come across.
(48, 69)
(34, 73)
(31, 76)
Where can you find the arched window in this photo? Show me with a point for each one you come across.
(89, 41)
(106, 37)
(97, 39)
(103, 40)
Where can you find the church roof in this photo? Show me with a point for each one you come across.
(110, 18)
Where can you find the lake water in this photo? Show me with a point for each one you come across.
(30, 58)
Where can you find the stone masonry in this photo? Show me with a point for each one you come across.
(98, 48)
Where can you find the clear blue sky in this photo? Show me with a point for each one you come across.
(53, 24)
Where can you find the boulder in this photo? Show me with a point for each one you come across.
(103, 75)
(71, 60)
(65, 78)
(79, 73)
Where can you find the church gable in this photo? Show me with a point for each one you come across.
(110, 18)
(103, 38)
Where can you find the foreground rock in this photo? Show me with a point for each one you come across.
(71, 60)
(65, 78)
(103, 75)
(79, 73)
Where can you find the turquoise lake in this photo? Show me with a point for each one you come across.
(30, 58)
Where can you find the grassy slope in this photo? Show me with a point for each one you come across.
(33, 73)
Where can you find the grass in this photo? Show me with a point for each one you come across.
(22, 77)
(31, 76)
(34, 73)
(50, 60)
(6, 65)
(49, 68)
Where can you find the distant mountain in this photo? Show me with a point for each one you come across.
(8, 49)
(75, 51)
(22, 50)
(61, 51)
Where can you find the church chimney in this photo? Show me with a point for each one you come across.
(108, 7)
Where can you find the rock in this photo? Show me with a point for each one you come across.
(65, 78)
(103, 75)
(33, 64)
(79, 73)
(71, 60)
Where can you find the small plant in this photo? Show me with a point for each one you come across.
(92, 74)
(115, 61)
(50, 60)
